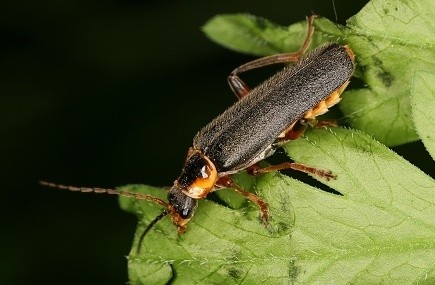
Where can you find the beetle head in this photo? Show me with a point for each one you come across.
(197, 179)
(181, 207)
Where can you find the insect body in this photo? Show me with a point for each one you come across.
(252, 129)
(260, 122)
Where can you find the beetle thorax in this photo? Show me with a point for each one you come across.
(199, 175)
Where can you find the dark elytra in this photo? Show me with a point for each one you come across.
(237, 136)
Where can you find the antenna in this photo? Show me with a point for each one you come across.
(156, 219)
(117, 192)
(335, 11)
(110, 191)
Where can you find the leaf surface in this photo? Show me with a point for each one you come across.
(381, 230)
(423, 106)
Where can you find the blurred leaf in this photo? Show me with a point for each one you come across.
(380, 231)
(391, 40)
(423, 106)
(246, 33)
(255, 35)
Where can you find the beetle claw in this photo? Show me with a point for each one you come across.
(264, 215)
(326, 174)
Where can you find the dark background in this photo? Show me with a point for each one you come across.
(105, 93)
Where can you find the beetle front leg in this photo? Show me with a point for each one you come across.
(241, 89)
(227, 182)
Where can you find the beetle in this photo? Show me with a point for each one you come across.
(263, 119)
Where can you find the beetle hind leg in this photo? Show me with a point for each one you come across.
(241, 89)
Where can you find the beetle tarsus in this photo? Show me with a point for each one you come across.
(325, 174)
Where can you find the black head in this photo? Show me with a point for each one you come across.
(181, 209)
(182, 204)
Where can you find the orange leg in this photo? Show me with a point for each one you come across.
(241, 89)
(227, 182)
(325, 174)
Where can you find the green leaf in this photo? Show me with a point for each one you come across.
(246, 33)
(381, 230)
(423, 106)
(391, 40)
(257, 36)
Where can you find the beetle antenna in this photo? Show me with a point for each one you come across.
(117, 192)
(357, 111)
(335, 11)
(106, 191)
(148, 228)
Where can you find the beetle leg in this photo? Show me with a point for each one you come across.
(241, 89)
(314, 123)
(295, 131)
(325, 174)
(227, 182)
(238, 86)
